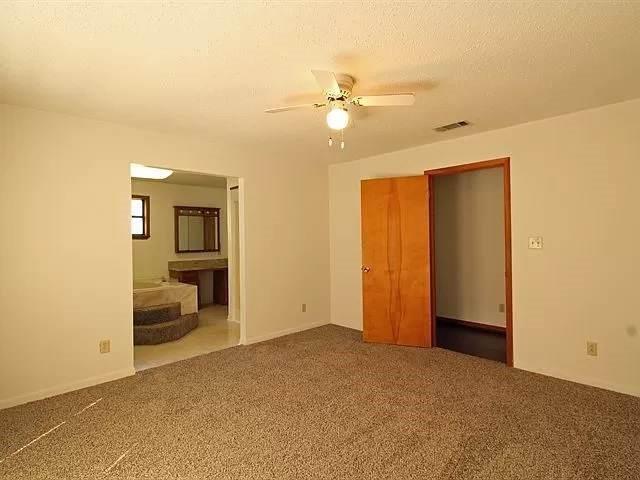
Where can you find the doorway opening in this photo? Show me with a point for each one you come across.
(470, 259)
(186, 233)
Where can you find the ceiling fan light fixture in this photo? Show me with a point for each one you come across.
(337, 118)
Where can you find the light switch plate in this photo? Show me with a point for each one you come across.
(535, 243)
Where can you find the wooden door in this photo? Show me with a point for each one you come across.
(395, 261)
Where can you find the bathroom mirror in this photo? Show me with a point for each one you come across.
(197, 229)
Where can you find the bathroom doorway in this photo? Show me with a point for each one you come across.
(186, 232)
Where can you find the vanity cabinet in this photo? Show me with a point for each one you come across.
(221, 286)
(189, 272)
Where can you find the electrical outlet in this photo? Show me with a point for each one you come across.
(304, 307)
(535, 243)
(501, 307)
(592, 349)
(105, 346)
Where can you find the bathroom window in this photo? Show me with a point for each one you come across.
(140, 217)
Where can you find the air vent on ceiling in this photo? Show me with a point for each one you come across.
(451, 126)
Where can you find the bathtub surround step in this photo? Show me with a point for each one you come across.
(156, 314)
(164, 332)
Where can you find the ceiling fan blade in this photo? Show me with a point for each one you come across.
(294, 107)
(327, 82)
(390, 100)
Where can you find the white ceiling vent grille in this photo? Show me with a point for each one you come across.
(452, 126)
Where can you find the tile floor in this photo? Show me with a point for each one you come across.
(213, 333)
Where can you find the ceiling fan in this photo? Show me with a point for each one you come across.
(337, 90)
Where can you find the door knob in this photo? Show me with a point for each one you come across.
(365, 269)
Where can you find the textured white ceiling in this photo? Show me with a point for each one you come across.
(212, 68)
(196, 180)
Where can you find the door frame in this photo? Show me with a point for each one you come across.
(503, 163)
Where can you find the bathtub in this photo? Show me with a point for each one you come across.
(147, 294)
(140, 284)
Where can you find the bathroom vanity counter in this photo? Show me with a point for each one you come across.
(188, 271)
(197, 265)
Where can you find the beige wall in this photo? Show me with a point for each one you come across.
(574, 181)
(150, 256)
(67, 265)
(469, 246)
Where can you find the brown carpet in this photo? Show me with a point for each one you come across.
(322, 404)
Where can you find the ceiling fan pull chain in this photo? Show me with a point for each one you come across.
(330, 141)
(342, 142)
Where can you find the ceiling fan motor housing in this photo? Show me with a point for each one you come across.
(337, 103)
(345, 82)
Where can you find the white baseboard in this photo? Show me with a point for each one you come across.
(349, 325)
(282, 333)
(592, 382)
(68, 387)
